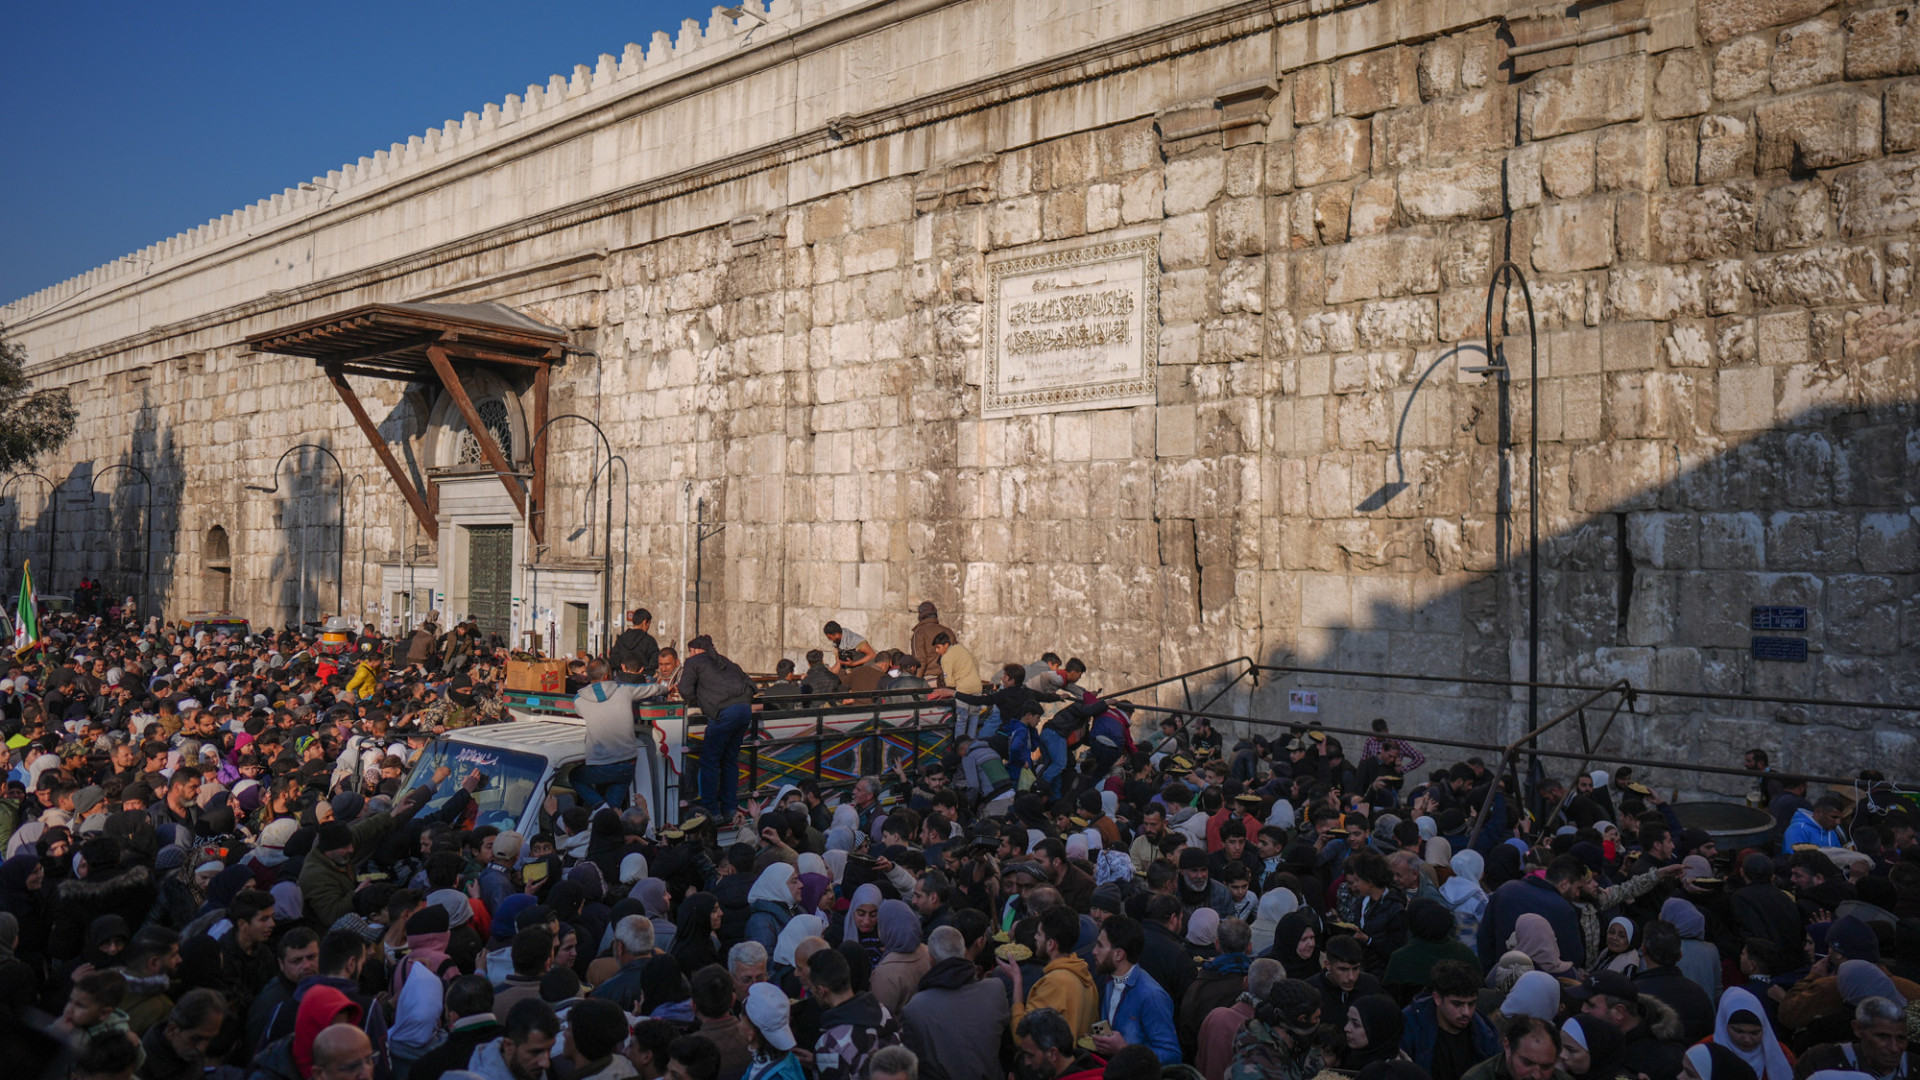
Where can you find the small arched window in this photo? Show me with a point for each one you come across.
(493, 416)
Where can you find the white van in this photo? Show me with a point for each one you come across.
(535, 754)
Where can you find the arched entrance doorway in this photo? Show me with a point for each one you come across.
(216, 570)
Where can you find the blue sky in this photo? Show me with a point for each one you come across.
(128, 123)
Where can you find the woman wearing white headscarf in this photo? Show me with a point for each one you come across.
(1464, 894)
(1741, 1026)
(846, 817)
(772, 903)
(1620, 951)
(1275, 904)
(781, 962)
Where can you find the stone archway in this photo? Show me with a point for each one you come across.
(216, 570)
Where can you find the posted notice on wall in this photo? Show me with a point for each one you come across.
(1303, 701)
(1074, 326)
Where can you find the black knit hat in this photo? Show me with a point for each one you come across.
(432, 919)
(1293, 1004)
(333, 836)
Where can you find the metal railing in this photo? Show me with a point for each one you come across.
(1629, 696)
(880, 708)
(1251, 671)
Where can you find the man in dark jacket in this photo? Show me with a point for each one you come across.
(1010, 696)
(241, 963)
(1165, 954)
(1660, 945)
(724, 695)
(1383, 908)
(956, 1018)
(176, 1048)
(1550, 897)
(1442, 1033)
(470, 1000)
(1217, 986)
(1343, 979)
(852, 1026)
(298, 956)
(1650, 1035)
(820, 679)
(635, 654)
(342, 955)
(1764, 910)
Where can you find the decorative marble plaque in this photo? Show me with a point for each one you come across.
(1075, 328)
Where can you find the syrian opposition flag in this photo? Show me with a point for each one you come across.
(26, 614)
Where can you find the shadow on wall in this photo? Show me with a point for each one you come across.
(1657, 586)
(303, 579)
(113, 527)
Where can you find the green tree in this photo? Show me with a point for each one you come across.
(32, 422)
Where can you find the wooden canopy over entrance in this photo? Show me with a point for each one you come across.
(421, 342)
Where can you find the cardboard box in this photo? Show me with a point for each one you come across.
(537, 676)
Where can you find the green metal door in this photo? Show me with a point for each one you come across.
(490, 577)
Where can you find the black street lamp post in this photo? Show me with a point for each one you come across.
(606, 549)
(146, 538)
(340, 546)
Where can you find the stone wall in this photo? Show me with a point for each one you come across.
(1710, 203)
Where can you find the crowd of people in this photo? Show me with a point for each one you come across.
(222, 864)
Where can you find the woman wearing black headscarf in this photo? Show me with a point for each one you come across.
(567, 898)
(857, 965)
(23, 896)
(1373, 1027)
(694, 945)
(1590, 1048)
(1503, 865)
(1296, 945)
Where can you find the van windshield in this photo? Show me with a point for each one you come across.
(511, 777)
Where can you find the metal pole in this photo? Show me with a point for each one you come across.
(686, 525)
(340, 549)
(146, 539)
(606, 568)
(1511, 269)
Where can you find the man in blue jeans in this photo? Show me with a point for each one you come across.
(613, 747)
(724, 695)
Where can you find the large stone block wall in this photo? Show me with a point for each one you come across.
(1711, 203)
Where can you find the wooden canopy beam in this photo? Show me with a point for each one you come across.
(490, 449)
(427, 520)
(537, 520)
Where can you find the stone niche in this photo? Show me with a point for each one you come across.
(1073, 326)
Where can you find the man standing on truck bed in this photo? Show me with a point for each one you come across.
(612, 747)
(724, 694)
(635, 653)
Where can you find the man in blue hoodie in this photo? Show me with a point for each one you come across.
(1135, 1008)
(1443, 1033)
(1819, 825)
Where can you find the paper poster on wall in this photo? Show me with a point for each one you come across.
(1307, 701)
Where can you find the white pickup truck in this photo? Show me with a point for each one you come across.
(535, 754)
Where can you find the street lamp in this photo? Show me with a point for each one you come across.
(626, 516)
(53, 521)
(146, 539)
(1497, 364)
(606, 549)
(340, 548)
(360, 577)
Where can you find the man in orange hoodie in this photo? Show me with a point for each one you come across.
(1065, 986)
